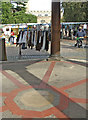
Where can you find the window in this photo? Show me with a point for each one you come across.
(39, 15)
(42, 21)
(46, 14)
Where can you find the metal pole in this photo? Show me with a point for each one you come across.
(19, 50)
(55, 30)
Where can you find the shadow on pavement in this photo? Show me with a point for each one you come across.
(62, 102)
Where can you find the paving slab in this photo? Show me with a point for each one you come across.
(38, 69)
(66, 73)
(33, 100)
(7, 114)
(18, 78)
(77, 91)
(7, 85)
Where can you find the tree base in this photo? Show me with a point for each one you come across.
(55, 58)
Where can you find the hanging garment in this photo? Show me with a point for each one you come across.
(29, 39)
(38, 45)
(28, 36)
(35, 38)
(20, 37)
(38, 35)
(17, 40)
(67, 33)
(49, 35)
(42, 35)
(47, 42)
(24, 38)
(44, 41)
(63, 31)
(40, 38)
(32, 39)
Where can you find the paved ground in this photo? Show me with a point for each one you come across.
(67, 50)
(45, 89)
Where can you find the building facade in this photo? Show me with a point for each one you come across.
(40, 9)
(42, 16)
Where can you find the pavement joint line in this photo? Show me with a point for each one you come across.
(79, 100)
(48, 73)
(13, 79)
(73, 84)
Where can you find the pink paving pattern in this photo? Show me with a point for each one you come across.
(13, 107)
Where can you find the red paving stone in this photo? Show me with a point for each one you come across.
(48, 73)
(4, 94)
(79, 100)
(73, 84)
(3, 108)
(12, 106)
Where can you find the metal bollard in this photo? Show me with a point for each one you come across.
(87, 37)
(87, 40)
(3, 56)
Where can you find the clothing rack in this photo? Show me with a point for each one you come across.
(33, 38)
